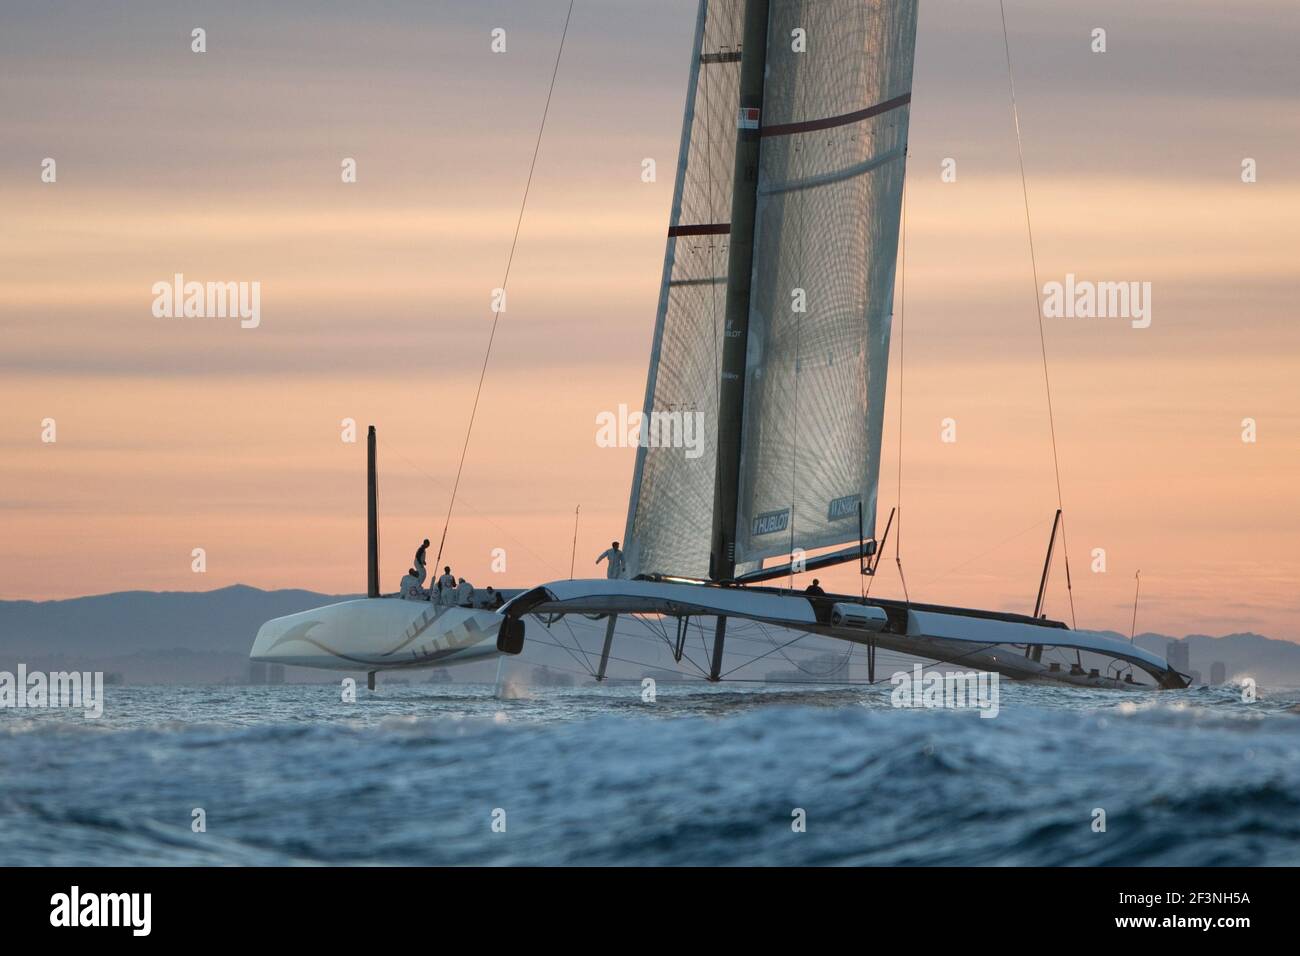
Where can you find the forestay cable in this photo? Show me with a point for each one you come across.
(496, 316)
(1038, 310)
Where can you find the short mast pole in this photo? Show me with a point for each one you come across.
(573, 555)
(1047, 566)
(1137, 590)
(372, 519)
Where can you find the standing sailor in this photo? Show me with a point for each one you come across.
(446, 587)
(420, 569)
(448, 580)
(615, 557)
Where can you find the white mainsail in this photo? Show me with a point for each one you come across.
(834, 141)
(833, 145)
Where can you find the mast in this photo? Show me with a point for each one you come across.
(740, 267)
(372, 520)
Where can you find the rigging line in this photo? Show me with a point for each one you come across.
(621, 660)
(845, 663)
(867, 683)
(585, 663)
(975, 557)
(1038, 308)
(466, 504)
(578, 644)
(662, 634)
(761, 656)
(496, 316)
(656, 636)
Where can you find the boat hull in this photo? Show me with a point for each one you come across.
(378, 634)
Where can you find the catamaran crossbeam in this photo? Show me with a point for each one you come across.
(960, 636)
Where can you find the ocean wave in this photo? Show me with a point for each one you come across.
(703, 776)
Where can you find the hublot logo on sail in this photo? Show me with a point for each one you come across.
(771, 522)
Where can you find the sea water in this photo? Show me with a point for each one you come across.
(726, 774)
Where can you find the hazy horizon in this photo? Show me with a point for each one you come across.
(225, 166)
(360, 592)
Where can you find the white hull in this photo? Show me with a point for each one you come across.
(378, 634)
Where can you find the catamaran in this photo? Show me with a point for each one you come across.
(774, 318)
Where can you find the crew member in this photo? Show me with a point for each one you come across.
(615, 558)
(411, 590)
(420, 569)
(448, 580)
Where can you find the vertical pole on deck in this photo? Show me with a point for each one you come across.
(609, 642)
(1137, 589)
(573, 555)
(372, 519)
(1047, 566)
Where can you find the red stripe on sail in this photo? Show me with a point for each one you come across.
(703, 229)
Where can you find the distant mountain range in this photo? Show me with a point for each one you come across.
(204, 637)
(148, 636)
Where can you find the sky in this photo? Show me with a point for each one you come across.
(175, 434)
